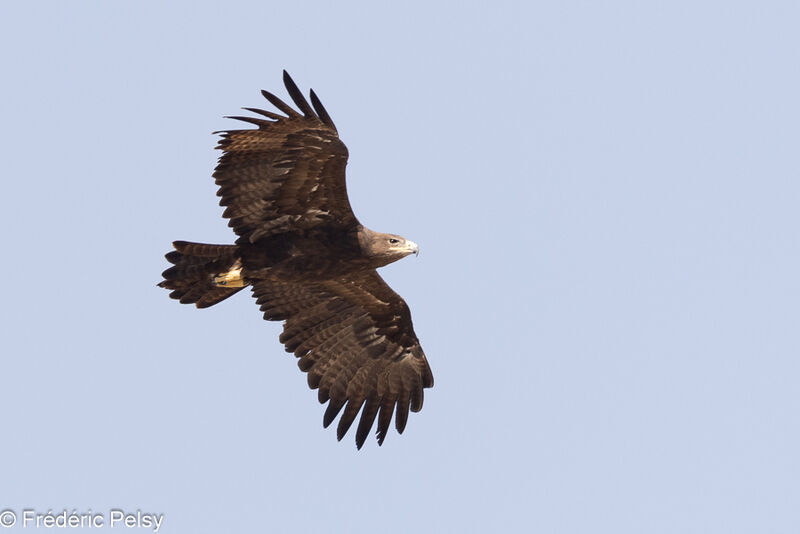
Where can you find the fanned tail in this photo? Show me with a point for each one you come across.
(202, 274)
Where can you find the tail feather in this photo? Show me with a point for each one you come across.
(195, 266)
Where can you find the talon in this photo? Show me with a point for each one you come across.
(232, 278)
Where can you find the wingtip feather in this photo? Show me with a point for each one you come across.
(297, 96)
(321, 111)
(280, 104)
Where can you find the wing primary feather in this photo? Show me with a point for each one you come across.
(261, 123)
(367, 418)
(401, 413)
(280, 104)
(297, 96)
(385, 418)
(268, 114)
(349, 415)
(333, 409)
(417, 396)
(321, 111)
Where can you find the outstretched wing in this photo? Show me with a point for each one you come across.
(286, 175)
(354, 338)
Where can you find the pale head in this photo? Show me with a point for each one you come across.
(385, 248)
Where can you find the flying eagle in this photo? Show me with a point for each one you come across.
(310, 264)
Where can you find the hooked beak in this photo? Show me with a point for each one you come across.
(413, 247)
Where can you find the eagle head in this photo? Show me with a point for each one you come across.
(385, 248)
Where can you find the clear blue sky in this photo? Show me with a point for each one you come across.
(607, 200)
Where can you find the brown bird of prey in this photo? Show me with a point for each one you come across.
(310, 264)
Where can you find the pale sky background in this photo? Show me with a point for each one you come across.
(607, 200)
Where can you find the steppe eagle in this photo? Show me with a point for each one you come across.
(310, 264)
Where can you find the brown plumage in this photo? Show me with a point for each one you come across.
(311, 264)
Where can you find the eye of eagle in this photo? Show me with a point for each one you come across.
(394, 241)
